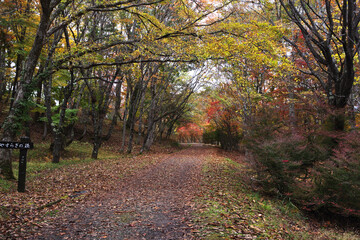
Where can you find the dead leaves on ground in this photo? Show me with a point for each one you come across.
(230, 210)
(51, 192)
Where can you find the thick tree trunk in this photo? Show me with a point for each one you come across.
(149, 139)
(24, 91)
(57, 148)
(5, 159)
(96, 148)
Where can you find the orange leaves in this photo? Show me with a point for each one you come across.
(213, 109)
(190, 132)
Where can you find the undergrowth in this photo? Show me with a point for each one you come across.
(231, 210)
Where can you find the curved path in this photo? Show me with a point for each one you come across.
(155, 203)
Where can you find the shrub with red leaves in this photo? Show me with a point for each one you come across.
(307, 162)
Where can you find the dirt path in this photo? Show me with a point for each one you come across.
(153, 204)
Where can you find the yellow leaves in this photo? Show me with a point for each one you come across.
(357, 80)
(61, 78)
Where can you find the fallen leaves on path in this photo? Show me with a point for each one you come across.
(192, 194)
(52, 192)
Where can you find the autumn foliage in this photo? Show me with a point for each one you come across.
(300, 158)
(189, 133)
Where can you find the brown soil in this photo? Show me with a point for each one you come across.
(155, 203)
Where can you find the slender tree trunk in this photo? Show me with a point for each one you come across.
(170, 130)
(38, 98)
(140, 119)
(134, 107)
(2, 73)
(162, 126)
(149, 136)
(75, 105)
(45, 132)
(101, 110)
(125, 121)
(116, 110)
(59, 138)
(19, 64)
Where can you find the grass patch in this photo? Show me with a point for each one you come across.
(231, 210)
(4, 213)
(39, 160)
(6, 185)
(52, 213)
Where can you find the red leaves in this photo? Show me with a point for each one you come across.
(190, 132)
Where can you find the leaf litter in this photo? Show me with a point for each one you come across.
(195, 193)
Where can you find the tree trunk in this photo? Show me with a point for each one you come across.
(24, 91)
(5, 160)
(149, 136)
(116, 110)
(19, 63)
(38, 98)
(149, 139)
(134, 107)
(2, 73)
(125, 121)
(59, 138)
(57, 148)
(96, 147)
(140, 119)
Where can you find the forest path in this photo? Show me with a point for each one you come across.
(155, 203)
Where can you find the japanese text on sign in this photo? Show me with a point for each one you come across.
(16, 145)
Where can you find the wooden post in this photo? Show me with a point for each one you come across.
(22, 165)
(23, 145)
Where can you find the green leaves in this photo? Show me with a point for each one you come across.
(70, 115)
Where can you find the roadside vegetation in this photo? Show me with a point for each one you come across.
(227, 206)
(230, 209)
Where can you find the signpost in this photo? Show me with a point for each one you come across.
(23, 145)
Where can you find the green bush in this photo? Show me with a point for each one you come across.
(210, 136)
(228, 139)
(338, 178)
(310, 170)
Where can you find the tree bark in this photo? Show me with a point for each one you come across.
(336, 24)
(125, 117)
(116, 110)
(19, 109)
